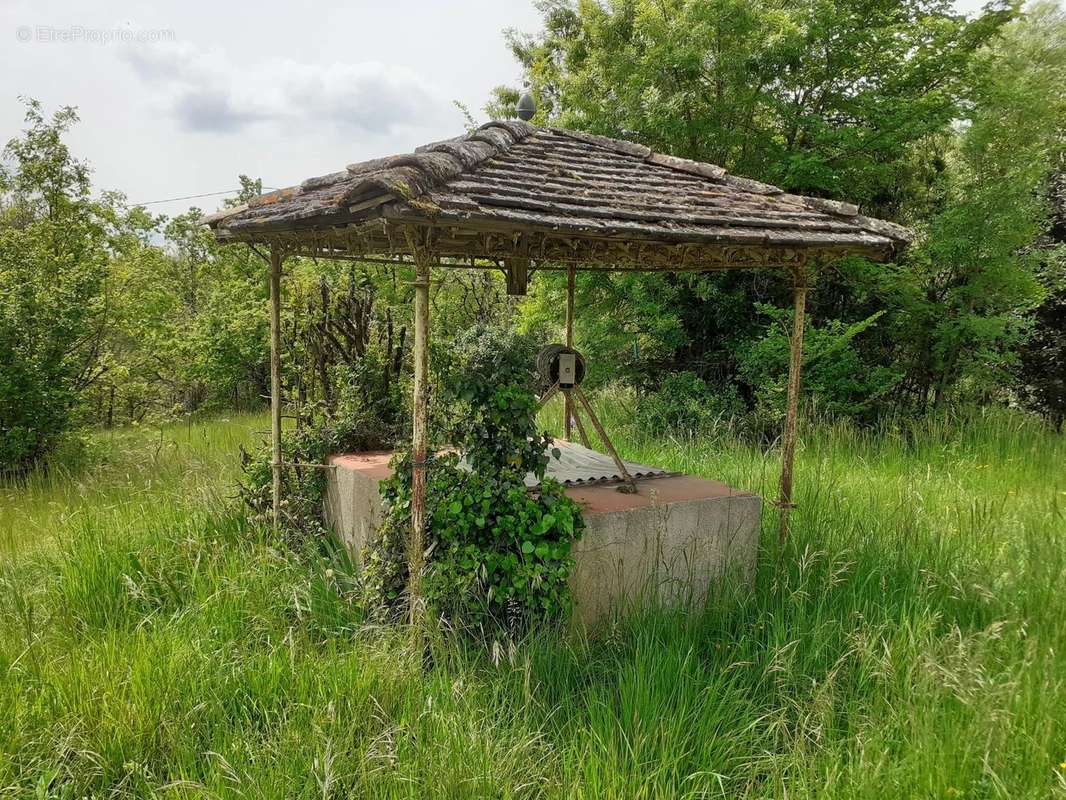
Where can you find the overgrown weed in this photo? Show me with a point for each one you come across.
(908, 642)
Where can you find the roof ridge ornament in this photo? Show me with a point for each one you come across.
(527, 107)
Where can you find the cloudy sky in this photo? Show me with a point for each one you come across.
(179, 98)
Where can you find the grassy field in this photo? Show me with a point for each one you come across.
(910, 642)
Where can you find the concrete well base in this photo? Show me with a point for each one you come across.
(668, 542)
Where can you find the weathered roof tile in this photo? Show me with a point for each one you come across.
(513, 174)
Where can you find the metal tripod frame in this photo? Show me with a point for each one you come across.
(628, 485)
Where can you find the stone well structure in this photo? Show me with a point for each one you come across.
(668, 541)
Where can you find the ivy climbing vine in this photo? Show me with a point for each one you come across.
(497, 554)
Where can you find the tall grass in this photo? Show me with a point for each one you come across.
(910, 641)
(127, 474)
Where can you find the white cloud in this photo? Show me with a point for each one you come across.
(204, 92)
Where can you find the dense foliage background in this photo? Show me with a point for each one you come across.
(952, 126)
(955, 126)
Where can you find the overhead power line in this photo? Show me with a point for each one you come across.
(193, 197)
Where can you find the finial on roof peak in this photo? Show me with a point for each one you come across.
(527, 107)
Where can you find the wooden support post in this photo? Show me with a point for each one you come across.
(548, 395)
(517, 273)
(275, 379)
(788, 437)
(419, 436)
(568, 409)
(585, 441)
(628, 485)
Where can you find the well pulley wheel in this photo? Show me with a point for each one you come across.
(559, 364)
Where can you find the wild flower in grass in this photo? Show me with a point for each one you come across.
(953, 792)
(1062, 765)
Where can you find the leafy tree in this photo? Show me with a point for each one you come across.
(818, 97)
(54, 298)
(189, 323)
(905, 106)
(1042, 367)
(836, 378)
(975, 271)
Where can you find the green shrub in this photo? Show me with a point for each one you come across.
(368, 415)
(497, 554)
(836, 378)
(684, 403)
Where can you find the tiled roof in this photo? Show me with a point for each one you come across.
(515, 177)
